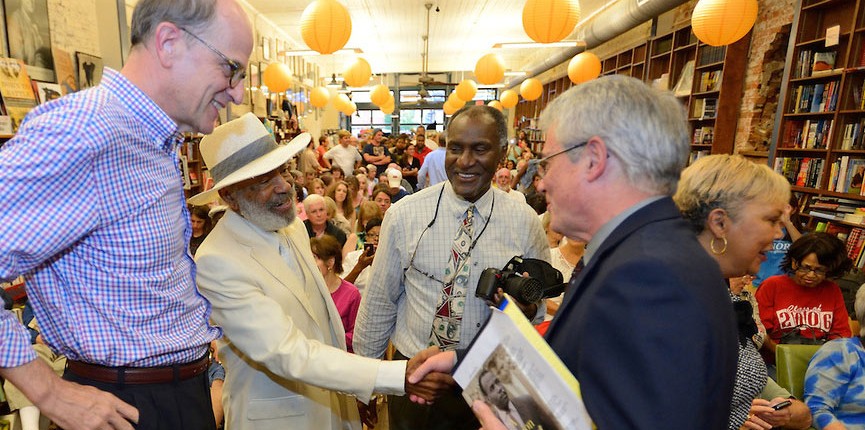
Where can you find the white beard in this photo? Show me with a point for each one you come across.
(263, 217)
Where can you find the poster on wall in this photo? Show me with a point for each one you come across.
(89, 70)
(65, 69)
(29, 36)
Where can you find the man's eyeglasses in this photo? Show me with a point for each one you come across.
(236, 71)
(804, 270)
(542, 163)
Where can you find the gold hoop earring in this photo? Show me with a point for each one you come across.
(715, 251)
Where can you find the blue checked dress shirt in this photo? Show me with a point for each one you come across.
(92, 213)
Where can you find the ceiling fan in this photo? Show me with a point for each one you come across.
(425, 79)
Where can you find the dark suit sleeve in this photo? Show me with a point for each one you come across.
(649, 351)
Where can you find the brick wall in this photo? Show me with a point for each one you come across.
(763, 75)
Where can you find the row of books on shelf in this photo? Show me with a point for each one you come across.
(801, 171)
(854, 238)
(853, 137)
(696, 155)
(710, 81)
(711, 54)
(703, 135)
(814, 63)
(822, 97)
(534, 134)
(807, 134)
(704, 108)
(846, 175)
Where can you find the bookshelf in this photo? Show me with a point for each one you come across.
(193, 170)
(630, 62)
(709, 76)
(707, 79)
(818, 142)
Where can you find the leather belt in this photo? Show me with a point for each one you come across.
(139, 375)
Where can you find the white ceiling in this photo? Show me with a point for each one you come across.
(390, 33)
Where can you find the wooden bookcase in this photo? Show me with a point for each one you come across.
(662, 60)
(707, 79)
(193, 170)
(819, 142)
(630, 62)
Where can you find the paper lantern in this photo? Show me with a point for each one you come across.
(496, 104)
(722, 22)
(509, 98)
(584, 67)
(358, 73)
(490, 69)
(547, 21)
(379, 95)
(531, 89)
(341, 102)
(455, 100)
(277, 77)
(325, 26)
(467, 89)
(450, 108)
(319, 96)
(387, 109)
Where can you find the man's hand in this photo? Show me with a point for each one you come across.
(427, 387)
(368, 413)
(485, 415)
(69, 405)
(430, 369)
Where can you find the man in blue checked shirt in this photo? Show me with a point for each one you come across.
(107, 267)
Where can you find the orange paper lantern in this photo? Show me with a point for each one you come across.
(319, 96)
(496, 104)
(387, 109)
(509, 98)
(341, 102)
(379, 95)
(531, 89)
(455, 100)
(325, 26)
(277, 77)
(490, 69)
(449, 108)
(584, 67)
(467, 89)
(358, 73)
(547, 21)
(722, 22)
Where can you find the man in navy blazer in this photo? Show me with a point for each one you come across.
(647, 325)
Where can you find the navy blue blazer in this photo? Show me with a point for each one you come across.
(647, 328)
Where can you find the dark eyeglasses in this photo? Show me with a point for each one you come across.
(804, 269)
(542, 162)
(236, 71)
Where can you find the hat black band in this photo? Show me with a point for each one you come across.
(249, 153)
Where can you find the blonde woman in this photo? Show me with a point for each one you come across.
(341, 193)
(735, 207)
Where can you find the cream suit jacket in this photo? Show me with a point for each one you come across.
(280, 371)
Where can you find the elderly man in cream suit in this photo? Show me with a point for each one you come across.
(284, 344)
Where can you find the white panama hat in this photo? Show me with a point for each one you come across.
(241, 149)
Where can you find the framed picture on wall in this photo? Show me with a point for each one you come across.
(29, 36)
(265, 48)
(89, 70)
(254, 75)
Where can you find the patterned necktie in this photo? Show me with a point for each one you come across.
(449, 309)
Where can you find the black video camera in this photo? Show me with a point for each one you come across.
(544, 281)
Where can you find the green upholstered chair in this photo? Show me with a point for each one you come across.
(792, 362)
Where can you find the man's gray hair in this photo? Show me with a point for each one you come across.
(189, 14)
(644, 128)
(474, 111)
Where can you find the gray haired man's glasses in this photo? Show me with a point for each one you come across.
(236, 72)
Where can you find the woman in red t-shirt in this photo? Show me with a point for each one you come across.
(806, 300)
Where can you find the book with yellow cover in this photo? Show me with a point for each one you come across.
(513, 369)
(16, 90)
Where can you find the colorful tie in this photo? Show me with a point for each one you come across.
(449, 310)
